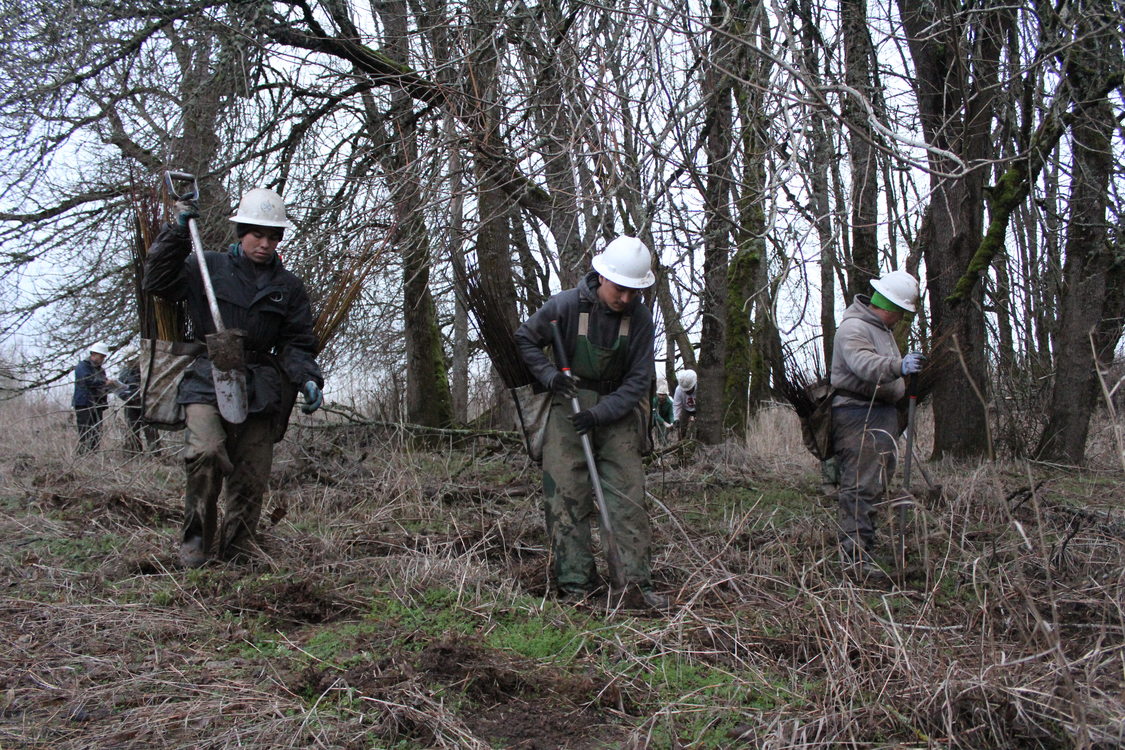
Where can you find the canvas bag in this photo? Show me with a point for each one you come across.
(533, 405)
(163, 364)
(816, 427)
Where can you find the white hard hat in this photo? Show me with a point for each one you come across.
(661, 388)
(262, 207)
(627, 262)
(900, 288)
(686, 379)
(99, 348)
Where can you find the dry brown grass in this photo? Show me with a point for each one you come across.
(387, 610)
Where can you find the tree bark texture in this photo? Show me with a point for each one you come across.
(858, 60)
(956, 79)
(1089, 274)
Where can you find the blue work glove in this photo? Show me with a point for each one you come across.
(584, 421)
(186, 208)
(913, 363)
(313, 398)
(564, 385)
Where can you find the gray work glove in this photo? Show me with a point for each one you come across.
(584, 421)
(185, 209)
(564, 385)
(313, 397)
(913, 363)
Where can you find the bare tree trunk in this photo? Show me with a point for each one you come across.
(955, 84)
(1089, 257)
(858, 59)
(717, 93)
(428, 398)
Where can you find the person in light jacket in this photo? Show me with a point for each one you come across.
(867, 375)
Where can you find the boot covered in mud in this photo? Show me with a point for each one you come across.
(192, 554)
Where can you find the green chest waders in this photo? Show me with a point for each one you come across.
(599, 364)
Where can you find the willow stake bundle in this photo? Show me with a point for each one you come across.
(158, 318)
(494, 324)
(793, 384)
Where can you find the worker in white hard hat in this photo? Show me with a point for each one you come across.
(684, 403)
(868, 377)
(607, 332)
(258, 296)
(91, 396)
(663, 415)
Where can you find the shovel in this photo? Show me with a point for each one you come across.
(613, 557)
(224, 346)
(900, 542)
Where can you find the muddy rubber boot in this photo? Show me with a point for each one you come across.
(240, 550)
(192, 554)
(655, 601)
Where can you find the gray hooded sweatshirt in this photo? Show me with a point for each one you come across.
(865, 358)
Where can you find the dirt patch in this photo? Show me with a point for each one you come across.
(500, 696)
(518, 701)
(293, 602)
(538, 727)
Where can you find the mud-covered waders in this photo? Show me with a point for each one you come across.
(863, 439)
(569, 504)
(242, 454)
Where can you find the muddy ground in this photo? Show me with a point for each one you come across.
(402, 600)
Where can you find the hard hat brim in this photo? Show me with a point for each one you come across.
(258, 222)
(621, 279)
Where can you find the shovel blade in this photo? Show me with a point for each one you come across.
(230, 394)
(224, 349)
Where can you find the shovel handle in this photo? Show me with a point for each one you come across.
(171, 179)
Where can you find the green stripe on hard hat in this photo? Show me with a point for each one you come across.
(898, 288)
(883, 303)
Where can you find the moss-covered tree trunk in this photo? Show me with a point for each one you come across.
(1091, 261)
(956, 58)
(429, 401)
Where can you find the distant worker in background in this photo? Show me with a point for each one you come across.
(868, 377)
(663, 416)
(608, 335)
(138, 435)
(684, 404)
(91, 392)
(260, 297)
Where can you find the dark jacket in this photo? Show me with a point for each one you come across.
(535, 334)
(129, 377)
(267, 302)
(91, 387)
